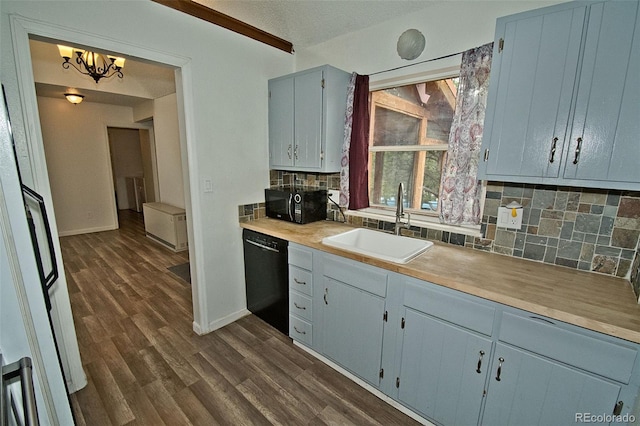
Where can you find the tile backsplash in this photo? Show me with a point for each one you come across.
(579, 228)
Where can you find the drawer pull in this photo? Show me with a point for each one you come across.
(577, 153)
(298, 331)
(299, 307)
(289, 151)
(499, 369)
(541, 319)
(552, 154)
(480, 362)
(299, 282)
(326, 292)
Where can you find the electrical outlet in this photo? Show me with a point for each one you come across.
(507, 220)
(334, 195)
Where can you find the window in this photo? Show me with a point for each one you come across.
(408, 143)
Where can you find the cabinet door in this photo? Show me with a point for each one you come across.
(537, 391)
(352, 327)
(281, 123)
(443, 370)
(529, 102)
(308, 120)
(607, 117)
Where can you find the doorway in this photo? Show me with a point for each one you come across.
(23, 31)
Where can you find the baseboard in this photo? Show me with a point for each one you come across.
(219, 323)
(395, 404)
(86, 231)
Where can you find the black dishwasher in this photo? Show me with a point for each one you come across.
(266, 272)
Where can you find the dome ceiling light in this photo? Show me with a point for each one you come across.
(411, 44)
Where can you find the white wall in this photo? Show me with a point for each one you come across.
(77, 152)
(225, 123)
(167, 137)
(448, 26)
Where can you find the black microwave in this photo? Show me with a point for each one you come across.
(296, 204)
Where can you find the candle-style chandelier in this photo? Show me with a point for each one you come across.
(96, 65)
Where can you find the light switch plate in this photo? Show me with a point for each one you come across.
(506, 220)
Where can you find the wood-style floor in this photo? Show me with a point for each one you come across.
(146, 366)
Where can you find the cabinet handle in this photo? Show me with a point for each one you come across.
(553, 150)
(499, 372)
(326, 291)
(295, 152)
(299, 282)
(480, 362)
(486, 155)
(578, 147)
(304, 308)
(298, 331)
(289, 151)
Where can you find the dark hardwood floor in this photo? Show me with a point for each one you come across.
(146, 366)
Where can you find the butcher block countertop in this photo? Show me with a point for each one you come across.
(597, 302)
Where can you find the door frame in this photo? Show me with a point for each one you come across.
(21, 29)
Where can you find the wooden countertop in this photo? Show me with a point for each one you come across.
(597, 302)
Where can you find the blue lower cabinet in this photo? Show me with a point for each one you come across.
(526, 389)
(443, 370)
(353, 329)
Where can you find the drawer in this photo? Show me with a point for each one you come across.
(300, 280)
(301, 257)
(300, 330)
(300, 305)
(364, 277)
(542, 336)
(455, 309)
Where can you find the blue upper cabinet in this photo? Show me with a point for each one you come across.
(306, 120)
(564, 106)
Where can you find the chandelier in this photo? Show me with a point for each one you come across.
(96, 65)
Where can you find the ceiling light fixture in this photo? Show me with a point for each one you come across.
(74, 98)
(95, 65)
(410, 44)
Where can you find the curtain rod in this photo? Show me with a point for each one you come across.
(418, 63)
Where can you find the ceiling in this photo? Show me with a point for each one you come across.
(302, 22)
(308, 22)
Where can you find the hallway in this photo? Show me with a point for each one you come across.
(146, 366)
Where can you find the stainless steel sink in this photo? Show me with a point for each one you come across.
(380, 245)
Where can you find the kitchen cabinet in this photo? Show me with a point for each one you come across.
(546, 374)
(444, 364)
(306, 120)
(353, 298)
(300, 294)
(564, 98)
(455, 358)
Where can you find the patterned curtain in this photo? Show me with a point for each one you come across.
(354, 176)
(460, 189)
(346, 144)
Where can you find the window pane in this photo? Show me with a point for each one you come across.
(431, 183)
(440, 103)
(389, 169)
(394, 128)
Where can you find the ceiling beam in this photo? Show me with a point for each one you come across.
(200, 11)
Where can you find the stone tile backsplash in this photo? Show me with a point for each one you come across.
(579, 228)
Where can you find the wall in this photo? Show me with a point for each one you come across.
(169, 161)
(77, 152)
(225, 128)
(126, 161)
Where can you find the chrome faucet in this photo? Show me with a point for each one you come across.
(400, 210)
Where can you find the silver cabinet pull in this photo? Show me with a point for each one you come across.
(552, 154)
(304, 308)
(299, 282)
(295, 152)
(499, 372)
(289, 151)
(578, 148)
(326, 291)
(298, 331)
(480, 362)
(486, 155)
